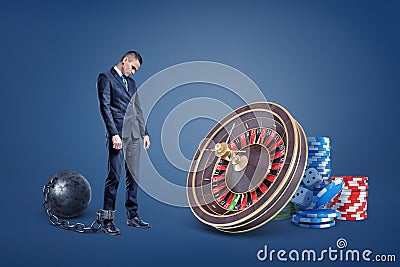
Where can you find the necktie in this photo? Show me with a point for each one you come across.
(125, 82)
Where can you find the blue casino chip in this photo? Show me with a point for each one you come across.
(320, 148)
(323, 138)
(318, 155)
(322, 170)
(319, 151)
(314, 157)
(328, 193)
(318, 160)
(318, 143)
(322, 145)
(320, 164)
(316, 226)
(319, 213)
(299, 219)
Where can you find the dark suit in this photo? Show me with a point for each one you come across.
(115, 101)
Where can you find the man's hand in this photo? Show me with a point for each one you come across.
(116, 140)
(146, 142)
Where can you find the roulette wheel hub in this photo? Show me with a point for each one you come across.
(239, 162)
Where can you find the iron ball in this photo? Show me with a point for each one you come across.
(69, 194)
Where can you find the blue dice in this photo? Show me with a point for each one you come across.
(311, 178)
(302, 197)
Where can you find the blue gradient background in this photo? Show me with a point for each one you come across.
(333, 64)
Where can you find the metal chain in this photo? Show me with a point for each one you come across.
(64, 224)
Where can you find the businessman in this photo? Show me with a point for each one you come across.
(117, 97)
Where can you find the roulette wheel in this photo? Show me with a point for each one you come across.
(247, 168)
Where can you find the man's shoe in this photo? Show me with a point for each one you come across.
(110, 228)
(137, 222)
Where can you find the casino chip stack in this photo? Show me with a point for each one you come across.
(319, 156)
(351, 203)
(319, 217)
(315, 218)
(286, 212)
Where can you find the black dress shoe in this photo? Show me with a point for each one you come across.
(137, 222)
(110, 228)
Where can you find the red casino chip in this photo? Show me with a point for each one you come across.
(364, 183)
(353, 194)
(348, 204)
(357, 185)
(351, 209)
(339, 198)
(355, 188)
(350, 215)
(350, 218)
(351, 178)
(356, 181)
(353, 213)
(359, 213)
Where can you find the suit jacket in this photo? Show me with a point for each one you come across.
(116, 103)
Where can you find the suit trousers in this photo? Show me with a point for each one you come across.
(131, 149)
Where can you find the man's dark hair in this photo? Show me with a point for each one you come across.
(132, 55)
